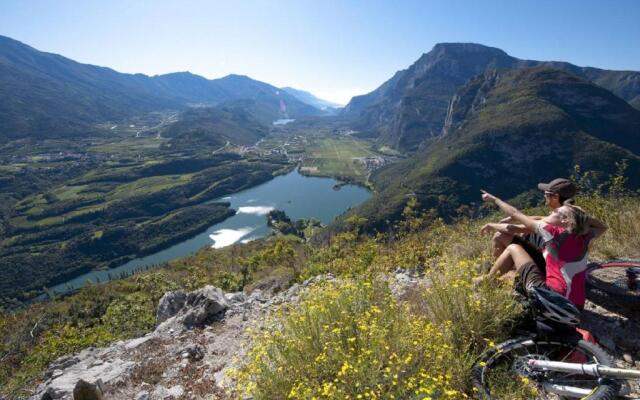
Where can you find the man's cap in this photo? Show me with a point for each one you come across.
(563, 187)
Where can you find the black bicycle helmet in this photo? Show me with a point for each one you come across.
(554, 307)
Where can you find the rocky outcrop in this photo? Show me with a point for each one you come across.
(88, 391)
(87, 374)
(186, 356)
(202, 305)
(178, 311)
(170, 304)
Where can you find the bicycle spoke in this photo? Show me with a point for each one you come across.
(549, 352)
(567, 355)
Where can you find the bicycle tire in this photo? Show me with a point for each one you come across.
(605, 284)
(496, 357)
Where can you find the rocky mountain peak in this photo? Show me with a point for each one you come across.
(414, 104)
(458, 48)
(235, 78)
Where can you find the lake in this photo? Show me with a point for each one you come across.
(299, 196)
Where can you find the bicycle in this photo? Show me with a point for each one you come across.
(550, 359)
(614, 283)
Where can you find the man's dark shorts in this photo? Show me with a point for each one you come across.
(534, 252)
(529, 276)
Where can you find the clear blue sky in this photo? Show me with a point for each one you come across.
(333, 48)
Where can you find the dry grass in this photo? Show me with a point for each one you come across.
(151, 362)
(622, 215)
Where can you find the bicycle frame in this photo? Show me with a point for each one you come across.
(585, 369)
(596, 370)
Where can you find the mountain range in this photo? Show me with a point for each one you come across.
(504, 132)
(410, 108)
(48, 95)
(468, 116)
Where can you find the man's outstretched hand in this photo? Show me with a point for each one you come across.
(488, 197)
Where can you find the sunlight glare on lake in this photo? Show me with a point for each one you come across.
(257, 210)
(227, 237)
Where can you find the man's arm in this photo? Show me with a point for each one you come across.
(511, 211)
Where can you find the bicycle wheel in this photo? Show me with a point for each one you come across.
(503, 372)
(610, 284)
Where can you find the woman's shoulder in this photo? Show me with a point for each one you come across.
(544, 227)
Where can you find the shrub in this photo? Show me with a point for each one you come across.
(352, 339)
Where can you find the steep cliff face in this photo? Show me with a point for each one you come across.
(412, 106)
(468, 100)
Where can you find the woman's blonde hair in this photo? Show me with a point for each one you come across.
(577, 218)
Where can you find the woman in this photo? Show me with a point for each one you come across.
(566, 234)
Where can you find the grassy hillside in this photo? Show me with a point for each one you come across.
(415, 337)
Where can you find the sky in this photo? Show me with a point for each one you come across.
(335, 49)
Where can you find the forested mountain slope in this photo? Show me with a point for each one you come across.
(217, 126)
(505, 132)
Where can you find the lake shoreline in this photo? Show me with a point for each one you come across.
(248, 215)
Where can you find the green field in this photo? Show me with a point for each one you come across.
(338, 156)
(130, 146)
(148, 185)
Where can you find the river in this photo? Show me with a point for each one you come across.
(299, 196)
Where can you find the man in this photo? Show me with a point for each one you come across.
(556, 193)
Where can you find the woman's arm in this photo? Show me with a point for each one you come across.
(597, 227)
(504, 228)
(528, 222)
(507, 220)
